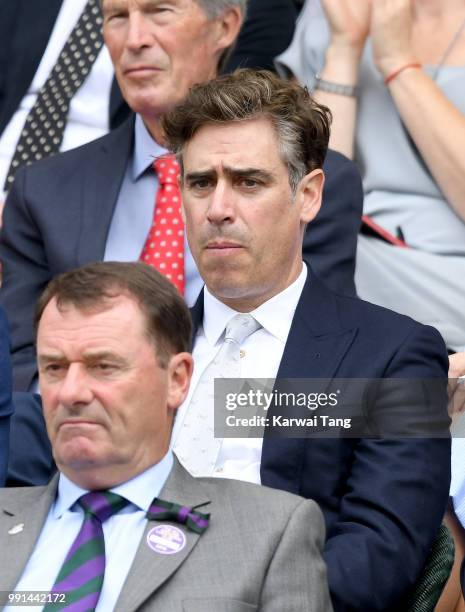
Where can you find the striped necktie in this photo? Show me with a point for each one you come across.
(81, 575)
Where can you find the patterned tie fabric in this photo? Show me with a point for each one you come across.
(81, 576)
(45, 125)
(161, 510)
(164, 246)
(196, 446)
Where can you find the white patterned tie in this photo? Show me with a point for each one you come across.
(196, 446)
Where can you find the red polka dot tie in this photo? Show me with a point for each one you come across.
(164, 246)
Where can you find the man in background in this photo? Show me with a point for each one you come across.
(103, 201)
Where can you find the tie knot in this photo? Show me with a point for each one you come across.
(240, 327)
(167, 169)
(102, 504)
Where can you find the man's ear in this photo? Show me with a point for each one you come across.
(229, 24)
(309, 195)
(180, 370)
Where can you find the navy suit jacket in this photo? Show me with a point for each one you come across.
(58, 213)
(383, 499)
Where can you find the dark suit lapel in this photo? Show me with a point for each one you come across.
(197, 316)
(22, 520)
(150, 570)
(101, 186)
(317, 342)
(316, 345)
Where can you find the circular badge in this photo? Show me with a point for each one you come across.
(166, 539)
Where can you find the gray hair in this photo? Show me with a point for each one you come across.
(214, 8)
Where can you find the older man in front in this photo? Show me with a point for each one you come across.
(123, 526)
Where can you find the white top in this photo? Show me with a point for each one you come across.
(89, 109)
(239, 458)
(122, 533)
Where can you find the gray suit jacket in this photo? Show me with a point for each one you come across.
(261, 551)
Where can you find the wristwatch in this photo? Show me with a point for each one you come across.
(335, 88)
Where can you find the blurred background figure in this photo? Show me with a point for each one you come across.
(392, 73)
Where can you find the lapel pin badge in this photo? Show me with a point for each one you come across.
(16, 529)
(166, 539)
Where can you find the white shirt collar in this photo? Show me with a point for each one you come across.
(275, 315)
(140, 490)
(146, 149)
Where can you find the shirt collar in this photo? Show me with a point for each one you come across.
(140, 490)
(275, 315)
(146, 149)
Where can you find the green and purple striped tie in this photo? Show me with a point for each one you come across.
(81, 575)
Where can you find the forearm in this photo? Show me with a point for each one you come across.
(438, 129)
(341, 66)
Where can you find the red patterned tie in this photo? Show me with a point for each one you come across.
(164, 246)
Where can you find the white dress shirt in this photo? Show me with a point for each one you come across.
(89, 109)
(239, 458)
(122, 532)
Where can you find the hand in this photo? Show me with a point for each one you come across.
(456, 385)
(391, 31)
(349, 21)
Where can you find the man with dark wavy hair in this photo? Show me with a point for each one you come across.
(251, 147)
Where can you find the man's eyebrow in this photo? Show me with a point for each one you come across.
(101, 355)
(87, 357)
(248, 172)
(47, 357)
(200, 174)
(231, 172)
